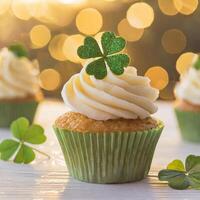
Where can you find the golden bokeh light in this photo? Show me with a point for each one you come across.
(71, 1)
(40, 35)
(21, 9)
(140, 15)
(55, 13)
(174, 41)
(4, 6)
(158, 76)
(50, 79)
(56, 47)
(129, 32)
(89, 21)
(167, 7)
(186, 7)
(185, 61)
(70, 47)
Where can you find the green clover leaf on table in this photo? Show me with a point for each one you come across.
(19, 50)
(181, 177)
(19, 148)
(111, 56)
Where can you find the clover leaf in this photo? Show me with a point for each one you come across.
(19, 127)
(19, 50)
(8, 148)
(99, 72)
(181, 177)
(24, 155)
(90, 49)
(112, 44)
(117, 63)
(176, 165)
(18, 149)
(192, 163)
(111, 56)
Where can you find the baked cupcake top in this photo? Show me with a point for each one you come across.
(80, 123)
(18, 75)
(107, 88)
(188, 88)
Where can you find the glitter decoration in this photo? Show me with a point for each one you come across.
(110, 45)
(90, 49)
(97, 68)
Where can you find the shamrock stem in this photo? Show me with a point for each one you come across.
(44, 154)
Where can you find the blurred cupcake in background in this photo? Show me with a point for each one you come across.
(187, 106)
(19, 85)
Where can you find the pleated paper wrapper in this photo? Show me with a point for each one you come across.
(189, 124)
(115, 157)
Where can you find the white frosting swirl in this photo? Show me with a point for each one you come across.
(126, 96)
(18, 76)
(189, 87)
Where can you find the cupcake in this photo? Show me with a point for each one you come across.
(19, 85)
(187, 106)
(109, 136)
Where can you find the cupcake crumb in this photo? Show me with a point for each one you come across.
(77, 122)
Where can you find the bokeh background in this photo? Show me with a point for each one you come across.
(163, 35)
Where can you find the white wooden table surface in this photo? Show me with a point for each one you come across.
(49, 179)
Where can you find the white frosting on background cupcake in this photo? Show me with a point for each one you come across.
(189, 87)
(18, 76)
(126, 96)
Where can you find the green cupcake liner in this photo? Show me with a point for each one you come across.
(11, 111)
(189, 124)
(115, 157)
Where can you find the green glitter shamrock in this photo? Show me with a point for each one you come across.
(111, 46)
